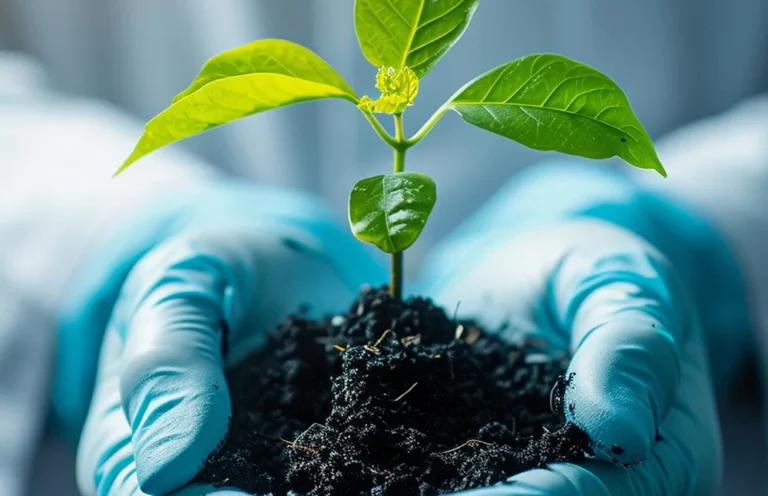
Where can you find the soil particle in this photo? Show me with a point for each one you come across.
(393, 398)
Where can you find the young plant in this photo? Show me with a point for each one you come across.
(543, 101)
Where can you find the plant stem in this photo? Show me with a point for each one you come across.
(427, 127)
(400, 144)
(396, 274)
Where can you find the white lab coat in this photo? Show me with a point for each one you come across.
(57, 200)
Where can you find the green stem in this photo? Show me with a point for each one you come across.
(396, 274)
(427, 127)
(400, 143)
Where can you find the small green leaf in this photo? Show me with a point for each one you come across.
(401, 83)
(390, 211)
(260, 76)
(410, 33)
(550, 102)
(398, 91)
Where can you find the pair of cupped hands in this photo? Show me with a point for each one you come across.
(575, 255)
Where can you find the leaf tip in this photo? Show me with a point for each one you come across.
(132, 158)
(655, 163)
(121, 169)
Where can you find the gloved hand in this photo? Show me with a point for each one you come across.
(552, 255)
(223, 266)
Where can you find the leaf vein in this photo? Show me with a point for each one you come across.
(530, 78)
(493, 86)
(278, 62)
(443, 15)
(558, 86)
(413, 34)
(383, 25)
(553, 109)
(321, 77)
(400, 15)
(538, 121)
(606, 109)
(493, 116)
(593, 90)
(435, 40)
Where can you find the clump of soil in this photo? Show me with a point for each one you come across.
(393, 398)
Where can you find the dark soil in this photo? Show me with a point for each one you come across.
(393, 398)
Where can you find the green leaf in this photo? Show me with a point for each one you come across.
(398, 91)
(550, 102)
(268, 56)
(410, 33)
(390, 211)
(261, 76)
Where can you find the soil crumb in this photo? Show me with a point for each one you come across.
(390, 399)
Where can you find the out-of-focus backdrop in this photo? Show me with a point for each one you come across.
(677, 60)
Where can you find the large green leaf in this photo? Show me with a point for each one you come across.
(271, 56)
(260, 76)
(550, 102)
(390, 211)
(410, 33)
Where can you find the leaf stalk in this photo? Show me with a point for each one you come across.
(427, 127)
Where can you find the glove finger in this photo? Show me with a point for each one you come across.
(619, 301)
(686, 457)
(105, 461)
(605, 294)
(184, 304)
(174, 311)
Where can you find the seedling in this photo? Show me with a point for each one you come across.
(543, 101)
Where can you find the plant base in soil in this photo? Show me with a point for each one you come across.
(393, 398)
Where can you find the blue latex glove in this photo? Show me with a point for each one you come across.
(215, 270)
(552, 254)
